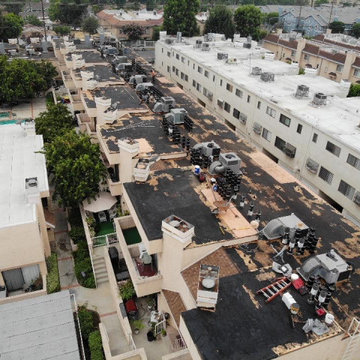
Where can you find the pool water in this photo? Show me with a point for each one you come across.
(6, 122)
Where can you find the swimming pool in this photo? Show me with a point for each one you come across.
(6, 122)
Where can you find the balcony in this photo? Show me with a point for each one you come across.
(142, 268)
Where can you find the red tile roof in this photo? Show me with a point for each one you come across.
(272, 38)
(338, 57)
(357, 62)
(312, 49)
(289, 43)
(175, 303)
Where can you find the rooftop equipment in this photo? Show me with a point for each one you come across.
(256, 71)
(205, 47)
(208, 287)
(329, 266)
(302, 91)
(319, 99)
(165, 104)
(198, 44)
(222, 56)
(137, 79)
(267, 76)
(227, 161)
(176, 116)
(208, 149)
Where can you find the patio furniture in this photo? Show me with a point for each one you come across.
(102, 216)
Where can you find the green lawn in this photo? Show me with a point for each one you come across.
(105, 228)
(132, 236)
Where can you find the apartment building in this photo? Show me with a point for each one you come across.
(189, 233)
(334, 56)
(23, 229)
(262, 100)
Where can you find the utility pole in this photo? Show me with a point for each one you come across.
(331, 11)
(43, 16)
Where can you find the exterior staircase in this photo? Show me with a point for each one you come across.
(100, 270)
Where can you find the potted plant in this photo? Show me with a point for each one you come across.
(137, 325)
(163, 332)
(127, 290)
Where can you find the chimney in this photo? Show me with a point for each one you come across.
(32, 190)
(344, 88)
(44, 46)
(349, 60)
(178, 229)
(102, 104)
(128, 149)
(299, 49)
(162, 35)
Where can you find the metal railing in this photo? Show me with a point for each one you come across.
(73, 298)
(104, 240)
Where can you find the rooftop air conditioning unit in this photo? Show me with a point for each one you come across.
(319, 99)
(267, 76)
(256, 71)
(168, 41)
(198, 44)
(207, 37)
(302, 91)
(222, 56)
(205, 47)
(357, 198)
(231, 161)
(257, 128)
(247, 45)
(231, 61)
(312, 165)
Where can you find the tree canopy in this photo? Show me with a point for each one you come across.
(33, 20)
(337, 27)
(90, 25)
(132, 31)
(355, 31)
(67, 11)
(11, 26)
(23, 79)
(220, 21)
(179, 15)
(13, 6)
(247, 20)
(354, 90)
(76, 165)
(55, 121)
(62, 30)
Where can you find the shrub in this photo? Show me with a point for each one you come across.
(83, 265)
(53, 278)
(86, 319)
(75, 217)
(77, 233)
(95, 345)
(127, 290)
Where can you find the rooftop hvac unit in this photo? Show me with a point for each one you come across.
(222, 56)
(312, 165)
(247, 45)
(208, 148)
(198, 44)
(302, 91)
(208, 287)
(231, 161)
(257, 128)
(319, 99)
(357, 198)
(205, 47)
(176, 116)
(231, 61)
(256, 71)
(267, 76)
(169, 41)
(207, 37)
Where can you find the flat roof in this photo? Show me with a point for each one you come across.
(122, 97)
(281, 91)
(39, 328)
(19, 159)
(102, 73)
(90, 57)
(146, 127)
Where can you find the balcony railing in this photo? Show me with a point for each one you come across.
(104, 240)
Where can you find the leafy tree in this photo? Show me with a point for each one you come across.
(76, 166)
(271, 18)
(132, 31)
(90, 25)
(354, 90)
(14, 7)
(356, 30)
(179, 15)
(220, 21)
(150, 5)
(23, 79)
(156, 33)
(62, 30)
(33, 20)
(337, 27)
(247, 20)
(55, 121)
(67, 11)
(120, 3)
(11, 26)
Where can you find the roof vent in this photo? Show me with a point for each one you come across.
(247, 45)
(319, 99)
(222, 56)
(302, 91)
(198, 44)
(169, 41)
(31, 183)
(205, 47)
(267, 76)
(256, 71)
(208, 287)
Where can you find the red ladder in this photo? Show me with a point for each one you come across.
(276, 288)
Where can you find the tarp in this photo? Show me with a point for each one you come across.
(104, 201)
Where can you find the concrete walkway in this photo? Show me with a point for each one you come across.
(99, 299)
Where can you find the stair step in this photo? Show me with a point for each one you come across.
(102, 271)
(101, 281)
(98, 260)
(102, 277)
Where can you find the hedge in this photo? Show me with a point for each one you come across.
(52, 278)
(95, 345)
(77, 233)
(83, 265)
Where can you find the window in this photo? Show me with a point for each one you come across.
(177, 72)
(326, 175)
(353, 161)
(188, 62)
(173, 68)
(315, 137)
(333, 148)
(346, 189)
(293, 52)
(194, 83)
(193, 66)
(177, 56)
(280, 143)
(182, 59)
(227, 107)
(270, 111)
(220, 82)
(259, 105)
(206, 73)
(306, 57)
(285, 120)
(214, 78)
(239, 93)
(236, 113)
(198, 87)
(339, 68)
(162, 50)
(266, 134)
(299, 129)
(168, 69)
(168, 54)
(200, 70)
(182, 76)
(186, 78)
(229, 87)
(357, 72)
(248, 98)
